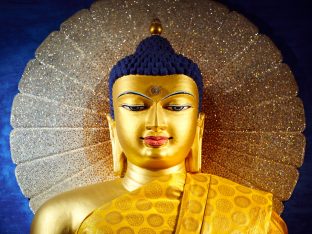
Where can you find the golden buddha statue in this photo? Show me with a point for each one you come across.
(156, 129)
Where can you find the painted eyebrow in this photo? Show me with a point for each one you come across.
(135, 93)
(176, 93)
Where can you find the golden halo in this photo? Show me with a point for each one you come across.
(254, 121)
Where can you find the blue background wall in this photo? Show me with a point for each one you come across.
(24, 24)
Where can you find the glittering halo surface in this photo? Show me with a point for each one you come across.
(254, 119)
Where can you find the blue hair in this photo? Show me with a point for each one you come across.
(155, 56)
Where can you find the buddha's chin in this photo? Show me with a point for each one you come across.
(157, 163)
(165, 150)
(156, 153)
(157, 160)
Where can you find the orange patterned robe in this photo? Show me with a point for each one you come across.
(191, 203)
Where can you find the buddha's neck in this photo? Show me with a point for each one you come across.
(136, 176)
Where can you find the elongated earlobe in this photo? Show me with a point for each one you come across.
(193, 161)
(119, 159)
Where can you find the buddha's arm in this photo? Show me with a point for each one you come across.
(65, 212)
(52, 217)
(277, 225)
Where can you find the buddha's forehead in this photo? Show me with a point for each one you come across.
(155, 85)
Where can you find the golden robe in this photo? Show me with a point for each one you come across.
(199, 203)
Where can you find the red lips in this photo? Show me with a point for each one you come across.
(155, 141)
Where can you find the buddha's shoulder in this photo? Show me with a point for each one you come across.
(87, 195)
(225, 184)
(73, 206)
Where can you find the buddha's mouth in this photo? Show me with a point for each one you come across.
(156, 141)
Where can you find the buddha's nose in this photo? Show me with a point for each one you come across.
(155, 119)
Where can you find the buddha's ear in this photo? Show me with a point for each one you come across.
(118, 156)
(111, 126)
(201, 123)
(193, 161)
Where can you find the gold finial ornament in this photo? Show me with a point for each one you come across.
(156, 28)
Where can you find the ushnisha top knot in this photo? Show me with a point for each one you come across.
(155, 56)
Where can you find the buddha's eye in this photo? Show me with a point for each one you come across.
(177, 107)
(134, 107)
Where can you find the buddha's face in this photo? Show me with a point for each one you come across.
(155, 118)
